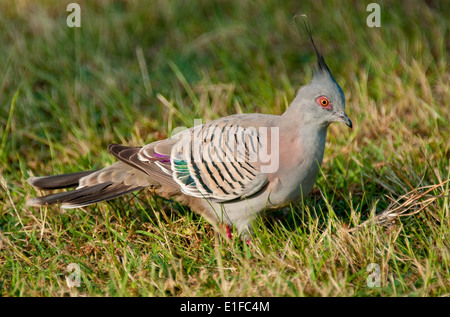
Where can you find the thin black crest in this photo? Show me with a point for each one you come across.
(320, 61)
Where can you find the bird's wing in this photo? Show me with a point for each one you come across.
(151, 165)
(219, 160)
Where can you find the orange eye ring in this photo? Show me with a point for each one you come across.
(323, 102)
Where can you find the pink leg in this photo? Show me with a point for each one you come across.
(228, 232)
(249, 242)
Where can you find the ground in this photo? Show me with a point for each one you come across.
(377, 222)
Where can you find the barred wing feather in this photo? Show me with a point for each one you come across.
(218, 161)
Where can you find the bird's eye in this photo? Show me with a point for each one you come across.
(323, 102)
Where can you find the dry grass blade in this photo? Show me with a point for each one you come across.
(408, 204)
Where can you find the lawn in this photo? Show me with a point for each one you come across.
(377, 222)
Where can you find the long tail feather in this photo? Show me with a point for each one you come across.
(84, 196)
(92, 186)
(58, 181)
(66, 197)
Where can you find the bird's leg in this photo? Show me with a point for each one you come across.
(228, 231)
(229, 235)
(224, 230)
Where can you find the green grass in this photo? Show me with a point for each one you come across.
(137, 69)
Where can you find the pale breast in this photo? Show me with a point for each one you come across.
(301, 155)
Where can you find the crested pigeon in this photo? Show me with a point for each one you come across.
(228, 170)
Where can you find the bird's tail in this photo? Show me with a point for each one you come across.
(90, 186)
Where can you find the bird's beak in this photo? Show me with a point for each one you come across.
(343, 117)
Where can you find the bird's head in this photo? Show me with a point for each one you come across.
(322, 101)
